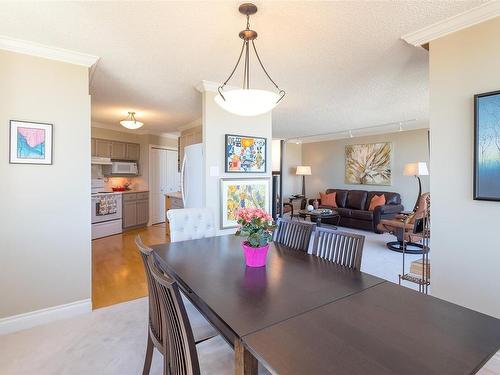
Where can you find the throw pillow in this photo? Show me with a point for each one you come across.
(377, 200)
(328, 199)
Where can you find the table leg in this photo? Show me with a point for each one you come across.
(245, 364)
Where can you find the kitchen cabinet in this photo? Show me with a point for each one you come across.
(115, 150)
(172, 201)
(135, 210)
(133, 151)
(102, 148)
(118, 150)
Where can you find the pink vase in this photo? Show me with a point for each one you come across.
(255, 256)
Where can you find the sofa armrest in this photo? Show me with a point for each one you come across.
(310, 201)
(386, 211)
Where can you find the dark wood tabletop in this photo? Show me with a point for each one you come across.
(213, 273)
(386, 329)
(304, 315)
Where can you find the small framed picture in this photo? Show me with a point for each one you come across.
(30, 142)
(245, 154)
(242, 193)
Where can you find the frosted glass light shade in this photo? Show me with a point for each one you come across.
(131, 124)
(303, 170)
(416, 169)
(248, 102)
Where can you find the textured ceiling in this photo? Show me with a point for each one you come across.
(342, 64)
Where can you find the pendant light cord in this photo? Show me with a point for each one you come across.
(246, 68)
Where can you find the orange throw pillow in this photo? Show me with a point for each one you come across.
(328, 199)
(377, 200)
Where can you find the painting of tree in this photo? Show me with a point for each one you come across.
(487, 147)
(368, 164)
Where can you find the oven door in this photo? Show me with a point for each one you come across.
(106, 207)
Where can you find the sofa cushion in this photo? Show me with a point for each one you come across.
(356, 199)
(390, 197)
(341, 197)
(362, 215)
(344, 212)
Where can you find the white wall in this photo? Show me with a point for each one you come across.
(327, 161)
(465, 251)
(216, 124)
(45, 257)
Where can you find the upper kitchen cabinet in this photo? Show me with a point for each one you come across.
(118, 150)
(102, 148)
(188, 137)
(133, 151)
(115, 150)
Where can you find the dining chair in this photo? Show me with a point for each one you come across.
(343, 248)
(181, 355)
(190, 223)
(294, 234)
(155, 327)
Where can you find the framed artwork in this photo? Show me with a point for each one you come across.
(245, 154)
(368, 164)
(487, 146)
(240, 193)
(30, 142)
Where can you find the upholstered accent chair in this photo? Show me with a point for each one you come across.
(191, 224)
(405, 227)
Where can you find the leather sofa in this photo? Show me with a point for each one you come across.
(352, 206)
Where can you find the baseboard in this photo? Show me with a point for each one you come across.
(34, 318)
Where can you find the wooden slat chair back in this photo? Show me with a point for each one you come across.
(182, 358)
(343, 248)
(155, 334)
(294, 234)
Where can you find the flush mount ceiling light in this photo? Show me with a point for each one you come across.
(130, 122)
(247, 101)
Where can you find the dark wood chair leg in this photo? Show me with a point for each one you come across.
(149, 357)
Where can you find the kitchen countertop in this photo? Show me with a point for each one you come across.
(121, 192)
(175, 194)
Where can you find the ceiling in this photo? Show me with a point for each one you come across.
(342, 64)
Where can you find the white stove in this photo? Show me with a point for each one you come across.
(106, 211)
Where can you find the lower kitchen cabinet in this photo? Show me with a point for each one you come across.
(135, 209)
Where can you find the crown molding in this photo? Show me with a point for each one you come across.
(450, 25)
(40, 50)
(205, 86)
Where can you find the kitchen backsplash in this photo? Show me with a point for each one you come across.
(136, 183)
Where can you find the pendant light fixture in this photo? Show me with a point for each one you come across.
(247, 101)
(130, 122)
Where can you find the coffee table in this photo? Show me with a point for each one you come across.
(313, 216)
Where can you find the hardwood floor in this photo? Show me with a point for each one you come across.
(117, 269)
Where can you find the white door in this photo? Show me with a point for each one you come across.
(164, 179)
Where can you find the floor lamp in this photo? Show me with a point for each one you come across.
(416, 169)
(303, 170)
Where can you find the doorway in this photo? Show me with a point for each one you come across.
(164, 178)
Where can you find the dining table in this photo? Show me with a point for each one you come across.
(301, 314)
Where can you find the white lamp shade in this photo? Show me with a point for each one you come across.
(248, 102)
(131, 124)
(416, 169)
(303, 170)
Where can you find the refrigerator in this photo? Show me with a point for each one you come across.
(192, 176)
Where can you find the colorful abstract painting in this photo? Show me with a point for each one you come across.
(30, 143)
(368, 164)
(245, 154)
(241, 193)
(487, 147)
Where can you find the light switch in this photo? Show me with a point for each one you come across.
(214, 171)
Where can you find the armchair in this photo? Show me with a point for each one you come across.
(404, 227)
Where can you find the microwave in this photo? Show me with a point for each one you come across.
(121, 168)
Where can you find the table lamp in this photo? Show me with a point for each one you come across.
(303, 170)
(416, 169)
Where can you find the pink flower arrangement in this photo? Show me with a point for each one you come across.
(256, 225)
